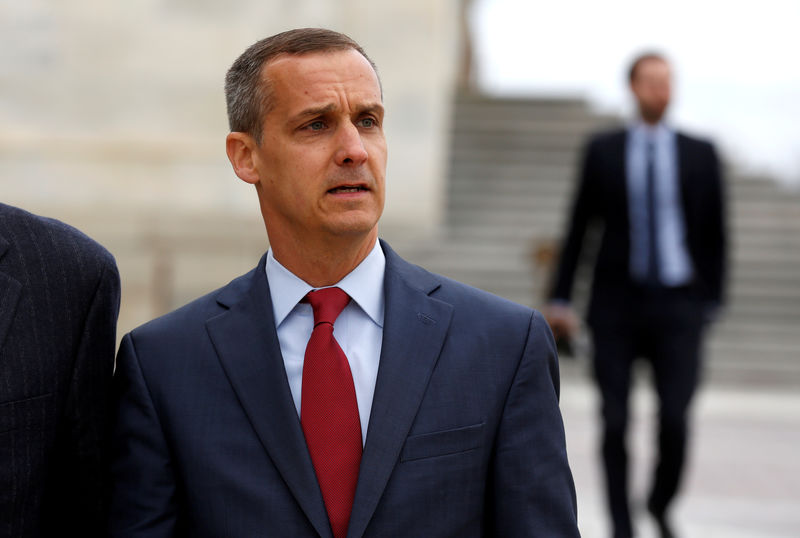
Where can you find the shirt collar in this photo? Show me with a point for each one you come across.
(364, 285)
(642, 132)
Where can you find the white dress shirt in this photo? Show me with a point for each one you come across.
(358, 329)
(675, 267)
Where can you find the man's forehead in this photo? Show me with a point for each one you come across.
(654, 65)
(338, 63)
(310, 80)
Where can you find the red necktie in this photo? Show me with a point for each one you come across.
(329, 412)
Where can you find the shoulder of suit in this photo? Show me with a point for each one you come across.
(52, 242)
(609, 137)
(694, 140)
(471, 301)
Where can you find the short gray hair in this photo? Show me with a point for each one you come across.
(248, 94)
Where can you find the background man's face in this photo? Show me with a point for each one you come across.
(322, 160)
(652, 88)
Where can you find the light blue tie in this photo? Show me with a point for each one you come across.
(651, 276)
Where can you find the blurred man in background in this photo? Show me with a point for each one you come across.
(658, 277)
(59, 299)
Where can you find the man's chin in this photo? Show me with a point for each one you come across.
(353, 227)
(653, 116)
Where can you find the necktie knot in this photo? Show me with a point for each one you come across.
(327, 304)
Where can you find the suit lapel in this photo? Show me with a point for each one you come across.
(247, 345)
(620, 172)
(10, 289)
(414, 331)
(683, 155)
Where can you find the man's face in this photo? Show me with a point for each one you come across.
(322, 160)
(652, 88)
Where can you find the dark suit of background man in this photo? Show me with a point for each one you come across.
(438, 403)
(59, 298)
(658, 276)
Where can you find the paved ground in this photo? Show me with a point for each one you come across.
(744, 475)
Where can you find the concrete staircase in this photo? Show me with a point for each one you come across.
(512, 171)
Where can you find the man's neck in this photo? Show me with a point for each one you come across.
(324, 264)
(650, 120)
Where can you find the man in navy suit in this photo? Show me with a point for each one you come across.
(448, 395)
(59, 299)
(658, 277)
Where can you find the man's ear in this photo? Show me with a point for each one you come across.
(240, 148)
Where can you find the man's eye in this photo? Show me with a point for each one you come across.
(316, 125)
(368, 122)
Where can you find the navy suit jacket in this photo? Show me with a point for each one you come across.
(59, 298)
(465, 435)
(602, 197)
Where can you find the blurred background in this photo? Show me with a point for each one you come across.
(112, 118)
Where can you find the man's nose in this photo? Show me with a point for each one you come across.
(350, 150)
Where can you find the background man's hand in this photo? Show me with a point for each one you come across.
(563, 321)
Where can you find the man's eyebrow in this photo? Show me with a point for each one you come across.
(375, 108)
(316, 111)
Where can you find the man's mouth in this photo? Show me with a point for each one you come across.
(346, 189)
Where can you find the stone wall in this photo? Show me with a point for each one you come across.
(112, 118)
